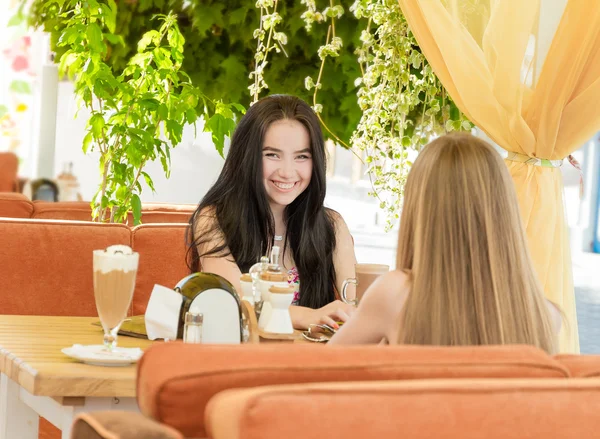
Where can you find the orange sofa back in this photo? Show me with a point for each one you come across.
(177, 381)
(9, 166)
(424, 409)
(15, 205)
(46, 265)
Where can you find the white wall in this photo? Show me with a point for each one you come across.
(195, 163)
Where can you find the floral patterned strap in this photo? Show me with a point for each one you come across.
(294, 279)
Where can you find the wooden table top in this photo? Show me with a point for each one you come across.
(30, 354)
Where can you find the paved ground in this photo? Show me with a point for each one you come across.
(586, 275)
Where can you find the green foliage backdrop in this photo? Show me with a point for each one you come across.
(358, 65)
(219, 51)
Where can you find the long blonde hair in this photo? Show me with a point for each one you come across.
(462, 240)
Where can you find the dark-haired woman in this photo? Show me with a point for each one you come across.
(271, 192)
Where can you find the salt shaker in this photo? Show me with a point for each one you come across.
(192, 330)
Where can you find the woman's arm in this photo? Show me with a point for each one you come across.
(344, 258)
(343, 262)
(378, 313)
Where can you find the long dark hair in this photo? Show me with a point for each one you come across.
(239, 203)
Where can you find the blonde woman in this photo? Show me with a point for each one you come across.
(464, 275)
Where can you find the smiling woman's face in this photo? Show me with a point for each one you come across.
(287, 161)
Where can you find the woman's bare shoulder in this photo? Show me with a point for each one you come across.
(206, 220)
(208, 233)
(397, 283)
(389, 288)
(337, 219)
(342, 232)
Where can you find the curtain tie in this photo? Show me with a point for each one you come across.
(545, 163)
(533, 161)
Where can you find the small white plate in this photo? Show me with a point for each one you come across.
(98, 355)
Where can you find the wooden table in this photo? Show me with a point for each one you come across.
(37, 379)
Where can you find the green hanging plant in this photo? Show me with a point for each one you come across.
(137, 114)
(403, 103)
(360, 68)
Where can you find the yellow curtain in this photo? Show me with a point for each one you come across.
(530, 78)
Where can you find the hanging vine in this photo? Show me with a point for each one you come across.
(403, 104)
(269, 19)
(331, 49)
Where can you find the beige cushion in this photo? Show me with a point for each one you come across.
(120, 425)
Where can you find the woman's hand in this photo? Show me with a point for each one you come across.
(332, 313)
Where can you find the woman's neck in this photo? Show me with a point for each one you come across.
(278, 218)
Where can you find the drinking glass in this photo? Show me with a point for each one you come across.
(115, 271)
(365, 276)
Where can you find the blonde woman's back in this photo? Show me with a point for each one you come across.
(472, 281)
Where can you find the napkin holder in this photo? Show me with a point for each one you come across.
(205, 293)
(215, 298)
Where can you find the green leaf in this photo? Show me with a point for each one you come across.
(224, 110)
(238, 15)
(20, 87)
(136, 207)
(454, 113)
(174, 132)
(190, 115)
(109, 17)
(239, 107)
(141, 59)
(165, 164)
(211, 15)
(66, 61)
(16, 19)
(149, 181)
(115, 39)
(3, 110)
(97, 124)
(174, 38)
(145, 5)
(219, 127)
(148, 38)
(86, 142)
(163, 111)
(95, 39)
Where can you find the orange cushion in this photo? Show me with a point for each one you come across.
(165, 213)
(15, 205)
(581, 365)
(9, 167)
(63, 210)
(48, 270)
(445, 409)
(81, 211)
(175, 380)
(162, 259)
